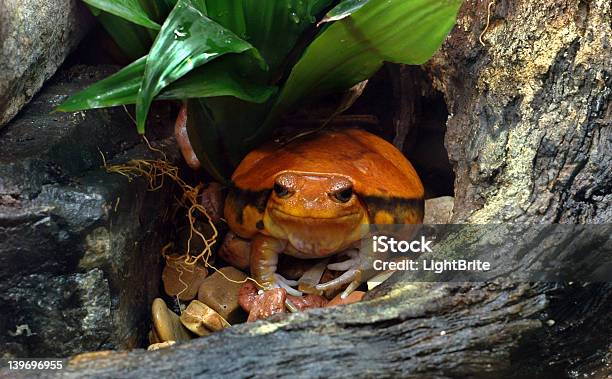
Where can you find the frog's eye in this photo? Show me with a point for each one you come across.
(280, 190)
(344, 195)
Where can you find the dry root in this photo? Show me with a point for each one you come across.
(156, 172)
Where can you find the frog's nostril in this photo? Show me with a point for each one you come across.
(281, 191)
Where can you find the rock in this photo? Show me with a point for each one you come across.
(168, 326)
(222, 295)
(160, 345)
(247, 295)
(35, 38)
(307, 301)
(263, 305)
(379, 279)
(236, 251)
(354, 297)
(439, 210)
(181, 279)
(202, 319)
(307, 282)
(74, 239)
(212, 199)
(268, 303)
(260, 306)
(197, 244)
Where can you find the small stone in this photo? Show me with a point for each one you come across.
(330, 275)
(268, 303)
(379, 279)
(212, 199)
(167, 324)
(308, 301)
(354, 297)
(202, 319)
(160, 345)
(439, 210)
(236, 251)
(247, 295)
(182, 279)
(90, 356)
(196, 245)
(222, 295)
(308, 282)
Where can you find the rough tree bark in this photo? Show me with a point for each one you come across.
(529, 135)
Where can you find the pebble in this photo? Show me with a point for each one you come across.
(261, 305)
(236, 251)
(268, 303)
(439, 210)
(354, 297)
(196, 245)
(213, 199)
(192, 276)
(167, 324)
(160, 345)
(248, 294)
(222, 295)
(308, 301)
(202, 320)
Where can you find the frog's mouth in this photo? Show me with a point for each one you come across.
(298, 217)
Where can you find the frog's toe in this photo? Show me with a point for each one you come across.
(353, 262)
(282, 282)
(343, 279)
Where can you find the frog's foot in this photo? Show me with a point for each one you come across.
(287, 284)
(353, 268)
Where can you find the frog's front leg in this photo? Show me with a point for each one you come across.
(264, 259)
(353, 274)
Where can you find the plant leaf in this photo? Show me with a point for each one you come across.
(118, 89)
(210, 80)
(354, 48)
(213, 80)
(272, 26)
(187, 40)
(205, 140)
(130, 10)
(132, 39)
(342, 10)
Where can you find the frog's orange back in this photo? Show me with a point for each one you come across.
(382, 177)
(375, 166)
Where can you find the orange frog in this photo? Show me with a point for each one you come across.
(314, 197)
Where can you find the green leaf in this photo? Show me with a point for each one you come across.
(187, 40)
(206, 140)
(344, 9)
(354, 48)
(272, 26)
(207, 81)
(132, 39)
(118, 89)
(277, 29)
(158, 9)
(130, 10)
(213, 80)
